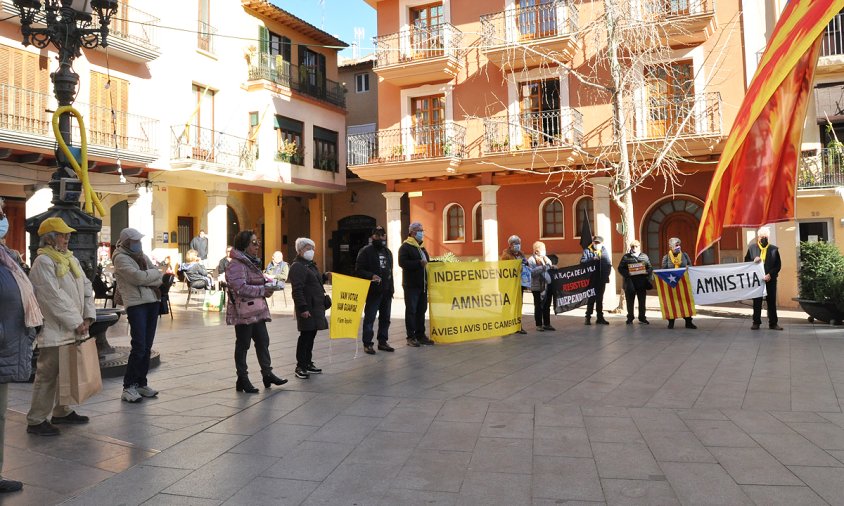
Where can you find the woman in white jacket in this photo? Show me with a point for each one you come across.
(66, 299)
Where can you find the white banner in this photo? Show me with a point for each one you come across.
(713, 284)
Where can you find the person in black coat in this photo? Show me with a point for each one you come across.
(596, 251)
(412, 259)
(763, 251)
(675, 259)
(636, 270)
(375, 262)
(310, 303)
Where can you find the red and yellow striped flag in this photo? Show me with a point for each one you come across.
(755, 181)
(675, 293)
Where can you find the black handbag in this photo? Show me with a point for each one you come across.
(326, 301)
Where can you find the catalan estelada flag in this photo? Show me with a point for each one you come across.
(755, 181)
(675, 293)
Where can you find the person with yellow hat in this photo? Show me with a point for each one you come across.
(66, 298)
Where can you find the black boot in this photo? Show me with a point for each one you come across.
(272, 379)
(244, 385)
(588, 321)
(670, 324)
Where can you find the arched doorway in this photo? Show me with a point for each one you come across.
(232, 225)
(675, 217)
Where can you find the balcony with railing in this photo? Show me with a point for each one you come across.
(660, 118)
(679, 23)
(205, 35)
(415, 144)
(207, 150)
(132, 33)
(305, 80)
(832, 47)
(526, 37)
(533, 130)
(823, 168)
(419, 55)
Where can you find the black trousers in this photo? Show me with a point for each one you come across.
(379, 305)
(597, 302)
(639, 295)
(305, 348)
(415, 306)
(542, 307)
(244, 334)
(771, 297)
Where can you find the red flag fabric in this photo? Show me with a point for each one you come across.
(755, 181)
(674, 290)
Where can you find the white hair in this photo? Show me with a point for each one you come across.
(302, 242)
(673, 242)
(763, 232)
(414, 227)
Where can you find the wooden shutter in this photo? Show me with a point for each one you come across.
(264, 40)
(102, 102)
(26, 94)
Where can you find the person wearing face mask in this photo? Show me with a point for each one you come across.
(310, 303)
(513, 251)
(375, 262)
(596, 251)
(675, 259)
(138, 282)
(413, 258)
(636, 269)
(66, 298)
(763, 251)
(540, 286)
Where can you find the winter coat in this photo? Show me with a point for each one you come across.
(65, 302)
(196, 275)
(368, 264)
(605, 267)
(684, 262)
(245, 281)
(135, 284)
(638, 282)
(15, 338)
(539, 266)
(411, 254)
(200, 245)
(308, 295)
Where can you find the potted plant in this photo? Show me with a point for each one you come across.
(288, 152)
(821, 277)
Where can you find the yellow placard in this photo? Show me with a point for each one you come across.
(474, 300)
(348, 296)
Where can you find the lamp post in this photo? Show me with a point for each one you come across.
(69, 26)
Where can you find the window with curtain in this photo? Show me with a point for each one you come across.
(455, 223)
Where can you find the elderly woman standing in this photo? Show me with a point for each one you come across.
(540, 286)
(19, 315)
(139, 282)
(514, 252)
(310, 300)
(66, 298)
(247, 310)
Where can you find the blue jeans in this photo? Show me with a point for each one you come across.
(142, 322)
(415, 306)
(381, 305)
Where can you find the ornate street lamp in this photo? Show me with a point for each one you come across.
(69, 26)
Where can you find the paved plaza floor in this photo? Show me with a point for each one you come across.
(618, 414)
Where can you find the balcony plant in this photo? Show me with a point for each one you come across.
(289, 152)
(821, 277)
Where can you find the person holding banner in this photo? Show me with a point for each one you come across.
(413, 258)
(514, 252)
(769, 255)
(310, 303)
(593, 252)
(375, 263)
(636, 270)
(540, 286)
(675, 259)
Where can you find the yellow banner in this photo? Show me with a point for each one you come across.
(348, 295)
(474, 300)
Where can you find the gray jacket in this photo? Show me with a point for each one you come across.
(15, 338)
(134, 283)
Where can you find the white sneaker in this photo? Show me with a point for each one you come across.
(146, 391)
(131, 394)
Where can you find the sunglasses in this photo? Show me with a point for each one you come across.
(256, 242)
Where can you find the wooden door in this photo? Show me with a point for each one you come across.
(536, 19)
(202, 137)
(683, 226)
(670, 98)
(426, 36)
(540, 109)
(428, 115)
(184, 225)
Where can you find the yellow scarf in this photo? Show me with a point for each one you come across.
(676, 260)
(62, 260)
(597, 252)
(763, 251)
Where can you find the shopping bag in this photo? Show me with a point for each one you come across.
(79, 372)
(214, 300)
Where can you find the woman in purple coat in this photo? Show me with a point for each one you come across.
(247, 310)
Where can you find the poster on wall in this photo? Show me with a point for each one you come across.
(165, 238)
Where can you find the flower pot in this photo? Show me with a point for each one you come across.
(825, 312)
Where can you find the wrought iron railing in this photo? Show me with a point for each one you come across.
(414, 43)
(133, 25)
(524, 24)
(205, 35)
(660, 9)
(447, 140)
(832, 40)
(821, 168)
(305, 80)
(559, 128)
(682, 116)
(25, 111)
(223, 152)
(134, 133)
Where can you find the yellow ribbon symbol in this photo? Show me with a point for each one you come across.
(91, 200)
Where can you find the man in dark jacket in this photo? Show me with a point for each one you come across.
(412, 259)
(375, 262)
(763, 251)
(200, 244)
(597, 251)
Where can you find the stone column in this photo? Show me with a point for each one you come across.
(395, 234)
(38, 200)
(489, 215)
(604, 227)
(141, 217)
(216, 213)
(161, 216)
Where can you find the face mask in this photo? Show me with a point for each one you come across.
(763, 241)
(308, 255)
(378, 243)
(418, 236)
(541, 252)
(635, 251)
(135, 247)
(517, 247)
(4, 227)
(676, 249)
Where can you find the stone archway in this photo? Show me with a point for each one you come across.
(674, 217)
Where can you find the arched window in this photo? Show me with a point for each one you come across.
(551, 213)
(478, 224)
(584, 204)
(455, 223)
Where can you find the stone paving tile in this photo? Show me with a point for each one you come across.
(612, 429)
(508, 424)
(180, 500)
(135, 486)
(757, 422)
(700, 414)
(275, 440)
(825, 435)
(310, 460)
(798, 416)
(370, 405)
(720, 433)
(502, 455)
(703, 484)
(222, 477)
(639, 493)
(795, 450)
(434, 470)
(657, 420)
(566, 479)
(463, 410)
(783, 496)
(561, 442)
(345, 429)
(354, 482)
(625, 461)
(558, 416)
(196, 451)
(753, 466)
(408, 497)
(827, 482)
(62, 477)
(677, 447)
(490, 488)
(458, 436)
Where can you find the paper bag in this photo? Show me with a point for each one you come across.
(214, 300)
(79, 372)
